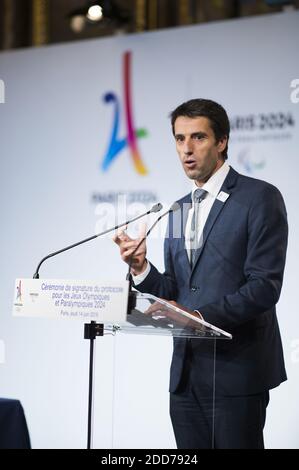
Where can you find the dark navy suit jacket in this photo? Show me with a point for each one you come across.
(235, 284)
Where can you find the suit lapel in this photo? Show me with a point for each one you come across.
(185, 204)
(216, 209)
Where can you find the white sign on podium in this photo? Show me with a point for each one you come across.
(59, 298)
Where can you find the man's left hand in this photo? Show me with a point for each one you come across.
(177, 317)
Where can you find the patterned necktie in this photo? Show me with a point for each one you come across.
(195, 243)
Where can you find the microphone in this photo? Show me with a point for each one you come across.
(156, 208)
(131, 298)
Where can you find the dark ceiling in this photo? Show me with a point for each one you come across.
(25, 23)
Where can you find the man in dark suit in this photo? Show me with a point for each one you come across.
(227, 267)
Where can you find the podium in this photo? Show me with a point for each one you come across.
(112, 310)
(154, 316)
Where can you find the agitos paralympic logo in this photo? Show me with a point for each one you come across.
(117, 144)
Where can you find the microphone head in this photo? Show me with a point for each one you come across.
(174, 207)
(156, 208)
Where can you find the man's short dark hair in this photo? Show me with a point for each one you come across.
(209, 109)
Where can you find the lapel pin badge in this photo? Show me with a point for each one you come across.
(222, 196)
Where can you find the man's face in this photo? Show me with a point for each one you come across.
(196, 145)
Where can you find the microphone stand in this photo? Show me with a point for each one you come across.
(156, 208)
(93, 329)
(132, 295)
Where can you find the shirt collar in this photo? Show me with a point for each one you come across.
(213, 185)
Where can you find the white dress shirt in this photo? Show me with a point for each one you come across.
(212, 186)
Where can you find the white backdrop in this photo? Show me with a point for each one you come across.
(55, 129)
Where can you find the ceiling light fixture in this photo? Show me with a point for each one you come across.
(94, 13)
(102, 14)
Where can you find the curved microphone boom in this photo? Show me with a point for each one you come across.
(156, 208)
(132, 294)
(174, 207)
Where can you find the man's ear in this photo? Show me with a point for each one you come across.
(222, 144)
